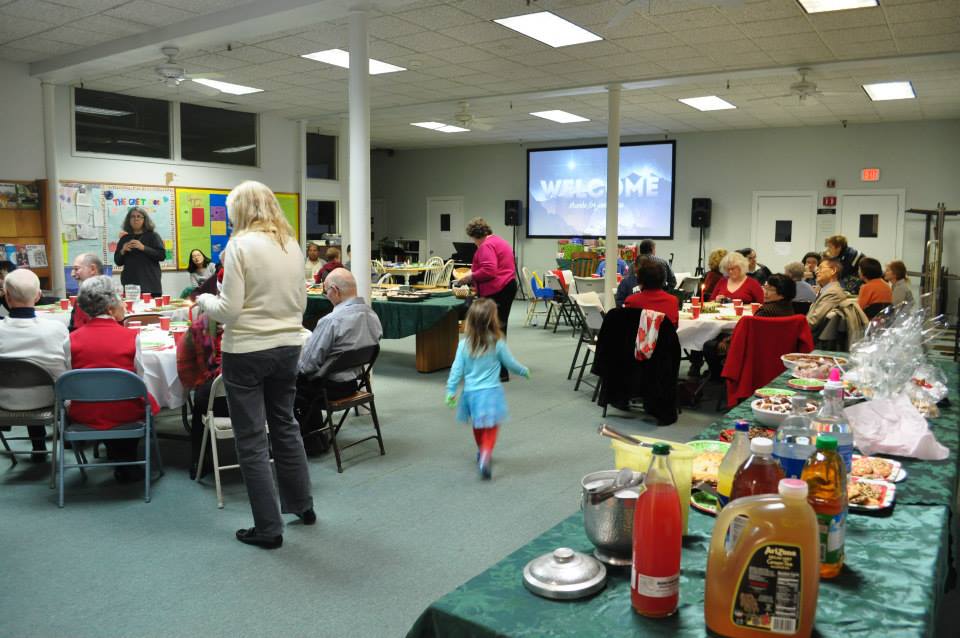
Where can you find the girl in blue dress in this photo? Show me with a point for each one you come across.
(479, 357)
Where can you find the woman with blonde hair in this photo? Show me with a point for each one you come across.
(261, 306)
(736, 284)
(713, 276)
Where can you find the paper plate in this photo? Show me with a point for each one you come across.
(807, 385)
(774, 392)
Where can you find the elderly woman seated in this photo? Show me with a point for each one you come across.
(104, 343)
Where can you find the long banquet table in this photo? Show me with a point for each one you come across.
(892, 583)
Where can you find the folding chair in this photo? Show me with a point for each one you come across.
(590, 312)
(560, 302)
(103, 385)
(216, 428)
(588, 284)
(17, 374)
(537, 294)
(362, 358)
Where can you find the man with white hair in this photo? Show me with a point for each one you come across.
(25, 336)
(352, 325)
(85, 266)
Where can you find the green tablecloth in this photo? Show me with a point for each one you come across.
(399, 318)
(890, 586)
(928, 482)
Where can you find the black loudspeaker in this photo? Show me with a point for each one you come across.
(700, 214)
(513, 212)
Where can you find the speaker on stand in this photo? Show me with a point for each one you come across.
(700, 211)
(513, 217)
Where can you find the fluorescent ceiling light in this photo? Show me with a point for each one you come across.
(439, 126)
(707, 103)
(341, 58)
(889, 91)
(235, 149)
(821, 6)
(549, 28)
(227, 87)
(560, 116)
(95, 110)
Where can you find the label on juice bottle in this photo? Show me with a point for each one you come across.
(768, 594)
(832, 531)
(656, 586)
(733, 532)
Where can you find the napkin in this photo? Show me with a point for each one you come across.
(893, 426)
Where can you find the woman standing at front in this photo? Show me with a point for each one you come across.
(261, 305)
(493, 272)
(140, 251)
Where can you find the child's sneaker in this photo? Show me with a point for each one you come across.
(485, 464)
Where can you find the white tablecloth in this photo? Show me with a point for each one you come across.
(139, 308)
(160, 368)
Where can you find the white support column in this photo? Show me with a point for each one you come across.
(301, 180)
(613, 192)
(54, 242)
(359, 93)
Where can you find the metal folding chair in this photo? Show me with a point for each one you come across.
(17, 374)
(103, 385)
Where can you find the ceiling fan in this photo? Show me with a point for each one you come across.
(173, 75)
(803, 89)
(463, 117)
(648, 6)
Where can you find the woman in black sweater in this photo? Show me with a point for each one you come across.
(140, 251)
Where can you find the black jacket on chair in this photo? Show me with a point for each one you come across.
(622, 377)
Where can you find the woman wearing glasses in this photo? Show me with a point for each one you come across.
(140, 251)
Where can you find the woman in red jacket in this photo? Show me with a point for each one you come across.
(493, 272)
(736, 284)
(651, 278)
(104, 343)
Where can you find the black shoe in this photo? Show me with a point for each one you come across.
(253, 537)
(309, 517)
(486, 468)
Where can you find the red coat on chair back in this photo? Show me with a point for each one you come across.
(104, 343)
(753, 358)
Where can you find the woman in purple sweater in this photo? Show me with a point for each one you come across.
(493, 272)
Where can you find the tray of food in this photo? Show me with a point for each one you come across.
(754, 432)
(771, 411)
(412, 296)
(874, 467)
(773, 392)
(869, 495)
(706, 466)
(807, 385)
(709, 307)
(811, 366)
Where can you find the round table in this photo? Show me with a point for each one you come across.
(175, 312)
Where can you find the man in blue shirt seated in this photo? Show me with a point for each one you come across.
(648, 248)
(621, 267)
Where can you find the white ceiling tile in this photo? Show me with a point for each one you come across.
(329, 35)
(513, 45)
(437, 17)
(923, 11)
(544, 58)
(426, 42)
(636, 25)
(72, 35)
(13, 54)
(13, 28)
(925, 27)
(43, 11)
(833, 20)
(687, 65)
(391, 27)
(114, 27)
(755, 59)
(807, 55)
(593, 49)
(865, 49)
(252, 54)
(726, 48)
(652, 41)
(860, 34)
(765, 10)
(43, 45)
(776, 27)
(476, 32)
(698, 18)
(197, 6)
(789, 41)
(214, 61)
(929, 44)
(289, 45)
(587, 14)
(464, 54)
(723, 33)
(669, 53)
(151, 13)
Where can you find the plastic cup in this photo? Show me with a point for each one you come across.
(165, 323)
(129, 304)
(64, 304)
(146, 297)
(738, 310)
(738, 303)
(158, 303)
(754, 307)
(166, 300)
(695, 310)
(695, 302)
(73, 301)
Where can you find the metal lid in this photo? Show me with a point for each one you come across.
(564, 575)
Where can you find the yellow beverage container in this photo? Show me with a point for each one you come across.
(680, 460)
(763, 571)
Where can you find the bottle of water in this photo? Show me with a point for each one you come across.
(830, 419)
(795, 439)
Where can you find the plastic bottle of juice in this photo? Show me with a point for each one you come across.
(738, 453)
(657, 536)
(826, 479)
(794, 442)
(762, 572)
(830, 419)
(759, 474)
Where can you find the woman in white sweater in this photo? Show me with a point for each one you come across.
(261, 306)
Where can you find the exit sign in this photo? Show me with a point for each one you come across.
(870, 175)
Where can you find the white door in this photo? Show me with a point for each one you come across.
(783, 226)
(445, 225)
(872, 222)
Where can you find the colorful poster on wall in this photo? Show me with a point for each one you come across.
(203, 221)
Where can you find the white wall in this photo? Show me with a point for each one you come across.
(726, 166)
(21, 124)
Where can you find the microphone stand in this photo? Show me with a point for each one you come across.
(699, 271)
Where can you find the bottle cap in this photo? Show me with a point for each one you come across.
(661, 448)
(792, 488)
(742, 425)
(834, 380)
(798, 402)
(761, 445)
(826, 442)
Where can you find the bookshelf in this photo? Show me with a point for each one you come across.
(23, 226)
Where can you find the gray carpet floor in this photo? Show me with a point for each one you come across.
(394, 532)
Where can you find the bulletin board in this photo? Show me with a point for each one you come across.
(92, 214)
(202, 221)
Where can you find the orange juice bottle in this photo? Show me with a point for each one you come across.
(763, 569)
(826, 476)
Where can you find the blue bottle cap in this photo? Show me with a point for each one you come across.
(742, 425)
